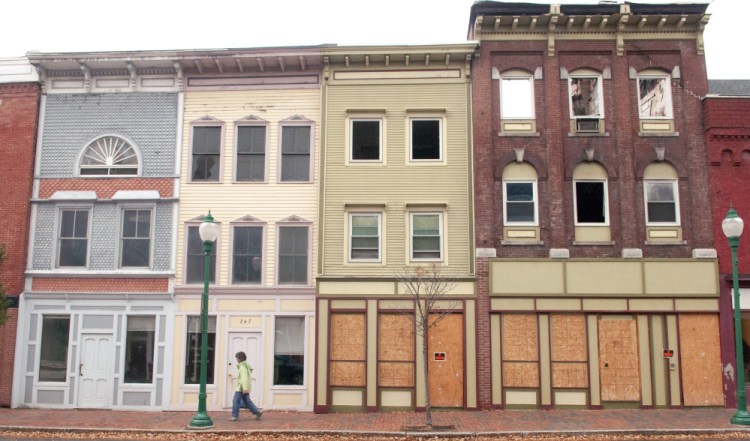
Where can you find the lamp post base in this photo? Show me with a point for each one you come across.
(741, 417)
(201, 420)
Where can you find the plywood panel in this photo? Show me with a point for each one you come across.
(519, 341)
(348, 373)
(447, 376)
(396, 337)
(568, 337)
(396, 374)
(570, 375)
(700, 353)
(517, 374)
(618, 360)
(348, 337)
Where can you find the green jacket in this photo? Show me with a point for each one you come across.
(243, 379)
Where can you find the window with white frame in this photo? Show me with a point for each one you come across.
(194, 266)
(194, 341)
(294, 255)
(251, 153)
(109, 156)
(426, 236)
(53, 353)
(590, 202)
(206, 153)
(661, 202)
(520, 202)
(135, 239)
(365, 139)
(364, 239)
(139, 349)
(517, 95)
(73, 237)
(585, 93)
(654, 96)
(247, 254)
(289, 352)
(426, 139)
(295, 153)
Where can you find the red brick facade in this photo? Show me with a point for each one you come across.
(19, 110)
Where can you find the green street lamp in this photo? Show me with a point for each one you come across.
(208, 232)
(732, 226)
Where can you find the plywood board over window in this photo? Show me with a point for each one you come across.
(395, 350)
(569, 361)
(700, 359)
(618, 360)
(348, 348)
(520, 353)
(446, 373)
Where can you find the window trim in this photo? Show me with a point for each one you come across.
(409, 140)
(349, 241)
(675, 194)
(263, 257)
(441, 229)
(206, 121)
(605, 183)
(535, 200)
(600, 91)
(58, 224)
(305, 353)
(122, 209)
(295, 122)
(250, 122)
(89, 143)
(185, 328)
(517, 74)
(667, 94)
(217, 245)
(307, 225)
(350, 120)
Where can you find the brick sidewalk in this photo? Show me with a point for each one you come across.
(466, 422)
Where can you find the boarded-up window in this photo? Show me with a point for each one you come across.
(519, 350)
(348, 349)
(569, 360)
(395, 351)
(700, 360)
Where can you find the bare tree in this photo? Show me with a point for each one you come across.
(427, 286)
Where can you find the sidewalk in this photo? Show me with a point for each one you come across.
(467, 423)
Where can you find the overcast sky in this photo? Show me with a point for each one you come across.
(106, 25)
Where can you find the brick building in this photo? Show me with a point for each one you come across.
(597, 274)
(19, 101)
(726, 109)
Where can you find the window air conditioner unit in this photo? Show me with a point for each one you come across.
(587, 125)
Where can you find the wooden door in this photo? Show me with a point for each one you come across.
(445, 353)
(618, 360)
(250, 344)
(700, 360)
(95, 371)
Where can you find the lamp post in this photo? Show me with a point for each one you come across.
(732, 226)
(208, 231)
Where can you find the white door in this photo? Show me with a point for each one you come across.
(249, 343)
(95, 371)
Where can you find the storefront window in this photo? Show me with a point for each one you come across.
(53, 359)
(139, 350)
(289, 351)
(193, 352)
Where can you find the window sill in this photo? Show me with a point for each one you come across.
(521, 242)
(658, 134)
(520, 134)
(666, 243)
(588, 135)
(587, 244)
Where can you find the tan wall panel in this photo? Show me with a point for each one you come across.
(651, 305)
(682, 278)
(287, 399)
(568, 334)
(395, 398)
(356, 288)
(594, 373)
(348, 304)
(395, 374)
(644, 355)
(545, 374)
(660, 364)
(348, 336)
(711, 305)
(346, 398)
(457, 289)
(570, 398)
(186, 305)
(532, 277)
(497, 391)
(245, 322)
(558, 305)
(570, 375)
(321, 358)
(246, 305)
(297, 305)
(396, 304)
(521, 398)
(700, 350)
(518, 374)
(592, 277)
(617, 305)
(348, 373)
(512, 304)
(519, 332)
(593, 234)
(674, 373)
(372, 353)
(470, 356)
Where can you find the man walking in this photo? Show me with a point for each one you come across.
(242, 394)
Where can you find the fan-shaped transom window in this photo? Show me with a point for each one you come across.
(109, 155)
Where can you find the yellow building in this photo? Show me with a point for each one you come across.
(396, 193)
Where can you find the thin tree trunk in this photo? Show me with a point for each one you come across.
(425, 341)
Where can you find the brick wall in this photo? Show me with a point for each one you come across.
(99, 285)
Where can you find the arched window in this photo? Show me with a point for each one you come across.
(109, 155)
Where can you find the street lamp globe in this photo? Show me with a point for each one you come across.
(208, 230)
